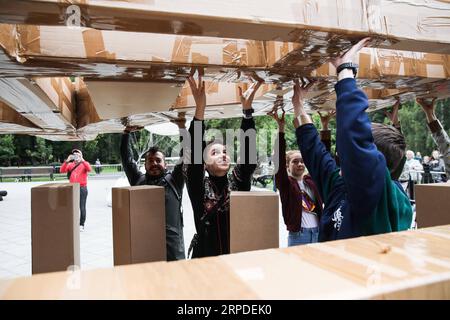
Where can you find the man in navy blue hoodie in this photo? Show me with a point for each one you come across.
(360, 197)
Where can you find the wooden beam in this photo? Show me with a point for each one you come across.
(373, 267)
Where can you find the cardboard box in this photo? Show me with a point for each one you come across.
(55, 220)
(399, 265)
(406, 24)
(253, 221)
(139, 224)
(432, 204)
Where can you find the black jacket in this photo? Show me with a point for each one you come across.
(173, 182)
(210, 196)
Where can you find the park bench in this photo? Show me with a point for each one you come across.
(263, 175)
(22, 173)
(264, 180)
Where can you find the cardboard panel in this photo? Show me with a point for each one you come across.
(253, 221)
(139, 230)
(409, 25)
(11, 116)
(55, 219)
(115, 99)
(432, 204)
(34, 102)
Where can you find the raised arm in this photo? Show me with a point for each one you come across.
(177, 173)
(319, 162)
(281, 176)
(325, 132)
(440, 136)
(243, 171)
(129, 165)
(393, 116)
(195, 171)
(87, 165)
(65, 167)
(363, 166)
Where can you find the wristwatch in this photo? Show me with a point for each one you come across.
(348, 65)
(248, 113)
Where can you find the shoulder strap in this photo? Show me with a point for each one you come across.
(70, 171)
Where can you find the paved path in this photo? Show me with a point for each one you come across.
(95, 243)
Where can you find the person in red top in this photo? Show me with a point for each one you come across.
(78, 168)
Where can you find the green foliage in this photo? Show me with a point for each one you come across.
(414, 124)
(7, 149)
(28, 150)
(42, 152)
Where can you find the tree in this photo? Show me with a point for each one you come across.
(25, 150)
(7, 149)
(40, 152)
(414, 124)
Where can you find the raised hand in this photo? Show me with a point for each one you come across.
(198, 91)
(280, 120)
(180, 121)
(300, 92)
(326, 117)
(428, 108)
(393, 116)
(349, 56)
(250, 93)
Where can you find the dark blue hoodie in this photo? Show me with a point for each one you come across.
(364, 200)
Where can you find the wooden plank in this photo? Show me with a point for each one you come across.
(402, 265)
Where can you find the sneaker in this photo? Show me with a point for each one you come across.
(81, 228)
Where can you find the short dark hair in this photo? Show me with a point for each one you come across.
(153, 150)
(391, 143)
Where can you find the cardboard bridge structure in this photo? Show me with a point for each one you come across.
(70, 70)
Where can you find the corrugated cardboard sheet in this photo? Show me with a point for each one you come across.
(406, 25)
(107, 54)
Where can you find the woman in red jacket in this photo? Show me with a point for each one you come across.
(300, 199)
(78, 169)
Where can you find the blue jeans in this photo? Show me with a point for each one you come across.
(304, 236)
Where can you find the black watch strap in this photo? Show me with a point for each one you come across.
(348, 65)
